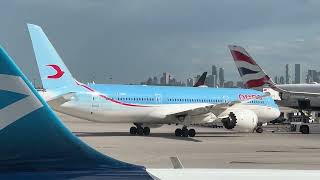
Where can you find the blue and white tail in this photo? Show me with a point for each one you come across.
(32, 137)
(54, 73)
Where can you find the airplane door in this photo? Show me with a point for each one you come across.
(95, 105)
(158, 98)
(225, 99)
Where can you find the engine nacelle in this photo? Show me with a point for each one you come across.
(241, 120)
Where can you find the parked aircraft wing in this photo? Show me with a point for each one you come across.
(215, 109)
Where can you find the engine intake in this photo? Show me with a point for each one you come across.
(242, 120)
(230, 122)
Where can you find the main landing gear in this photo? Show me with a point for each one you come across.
(139, 130)
(185, 132)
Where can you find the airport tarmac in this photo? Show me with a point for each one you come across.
(211, 148)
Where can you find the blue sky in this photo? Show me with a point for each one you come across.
(134, 39)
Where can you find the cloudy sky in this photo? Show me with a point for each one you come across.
(134, 39)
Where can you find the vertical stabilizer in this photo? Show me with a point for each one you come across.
(34, 139)
(54, 73)
(250, 72)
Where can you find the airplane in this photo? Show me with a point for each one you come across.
(146, 106)
(36, 144)
(201, 80)
(298, 96)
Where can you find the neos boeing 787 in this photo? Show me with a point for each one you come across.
(146, 106)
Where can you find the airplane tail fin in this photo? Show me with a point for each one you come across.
(251, 73)
(54, 73)
(33, 138)
(201, 80)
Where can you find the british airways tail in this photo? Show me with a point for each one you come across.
(34, 140)
(54, 73)
(251, 73)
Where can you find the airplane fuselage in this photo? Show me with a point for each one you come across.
(292, 100)
(150, 104)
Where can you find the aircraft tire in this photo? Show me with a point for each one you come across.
(304, 129)
(140, 131)
(259, 130)
(146, 131)
(178, 132)
(133, 130)
(192, 132)
(185, 132)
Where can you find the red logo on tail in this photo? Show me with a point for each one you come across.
(59, 72)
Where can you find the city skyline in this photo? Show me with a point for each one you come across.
(293, 74)
(211, 80)
(296, 74)
(132, 40)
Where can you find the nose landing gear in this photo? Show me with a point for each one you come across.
(259, 128)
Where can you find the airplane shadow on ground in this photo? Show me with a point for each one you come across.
(160, 135)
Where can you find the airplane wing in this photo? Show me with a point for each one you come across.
(61, 99)
(216, 109)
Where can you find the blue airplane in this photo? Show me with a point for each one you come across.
(36, 145)
(147, 106)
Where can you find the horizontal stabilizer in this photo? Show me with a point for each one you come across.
(61, 99)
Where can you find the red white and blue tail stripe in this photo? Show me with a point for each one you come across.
(251, 73)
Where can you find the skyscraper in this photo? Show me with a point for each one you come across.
(164, 80)
(221, 77)
(276, 79)
(297, 73)
(209, 81)
(287, 79)
(214, 76)
(190, 82)
(281, 80)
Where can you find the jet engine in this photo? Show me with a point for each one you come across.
(241, 120)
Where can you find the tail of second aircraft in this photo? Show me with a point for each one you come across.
(201, 80)
(54, 73)
(251, 73)
(34, 139)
